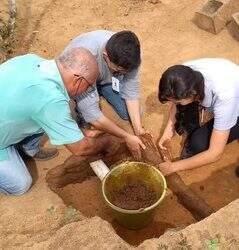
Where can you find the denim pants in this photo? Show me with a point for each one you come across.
(114, 99)
(15, 178)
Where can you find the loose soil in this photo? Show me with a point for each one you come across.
(134, 195)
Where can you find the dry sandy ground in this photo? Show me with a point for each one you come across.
(168, 36)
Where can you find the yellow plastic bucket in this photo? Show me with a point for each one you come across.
(137, 171)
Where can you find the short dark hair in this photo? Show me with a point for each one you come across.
(180, 82)
(123, 49)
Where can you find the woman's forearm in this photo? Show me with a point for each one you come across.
(171, 118)
(198, 160)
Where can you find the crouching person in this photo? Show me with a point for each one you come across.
(211, 83)
(34, 99)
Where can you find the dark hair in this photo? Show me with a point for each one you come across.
(123, 49)
(180, 82)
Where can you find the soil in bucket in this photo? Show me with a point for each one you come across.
(134, 195)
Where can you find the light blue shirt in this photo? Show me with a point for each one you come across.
(33, 100)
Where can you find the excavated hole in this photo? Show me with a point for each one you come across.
(218, 190)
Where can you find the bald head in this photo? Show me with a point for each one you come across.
(81, 62)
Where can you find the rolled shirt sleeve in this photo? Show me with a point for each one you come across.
(88, 105)
(55, 119)
(130, 89)
(225, 114)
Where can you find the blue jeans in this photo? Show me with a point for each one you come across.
(15, 178)
(114, 99)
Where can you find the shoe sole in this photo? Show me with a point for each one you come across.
(48, 158)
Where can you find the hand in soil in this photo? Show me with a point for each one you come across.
(166, 168)
(156, 156)
(166, 152)
(150, 153)
(135, 144)
(140, 131)
(167, 136)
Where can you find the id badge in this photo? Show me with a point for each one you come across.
(115, 84)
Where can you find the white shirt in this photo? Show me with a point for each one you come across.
(221, 80)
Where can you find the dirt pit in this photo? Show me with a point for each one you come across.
(87, 197)
(134, 195)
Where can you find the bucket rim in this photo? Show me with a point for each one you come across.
(141, 210)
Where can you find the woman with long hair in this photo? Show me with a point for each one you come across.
(209, 83)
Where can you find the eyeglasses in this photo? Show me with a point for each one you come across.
(90, 87)
(116, 69)
(121, 71)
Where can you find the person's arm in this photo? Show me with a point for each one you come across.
(133, 107)
(132, 141)
(105, 124)
(88, 105)
(130, 92)
(169, 129)
(88, 146)
(217, 144)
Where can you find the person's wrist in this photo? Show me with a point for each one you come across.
(169, 130)
(126, 136)
(165, 137)
(139, 131)
(168, 134)
(175, 166)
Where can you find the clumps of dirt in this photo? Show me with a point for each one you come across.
(150, 153)
(134, 195)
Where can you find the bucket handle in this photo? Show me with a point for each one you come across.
(100, 169)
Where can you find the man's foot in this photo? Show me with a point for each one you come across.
(45, 154)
